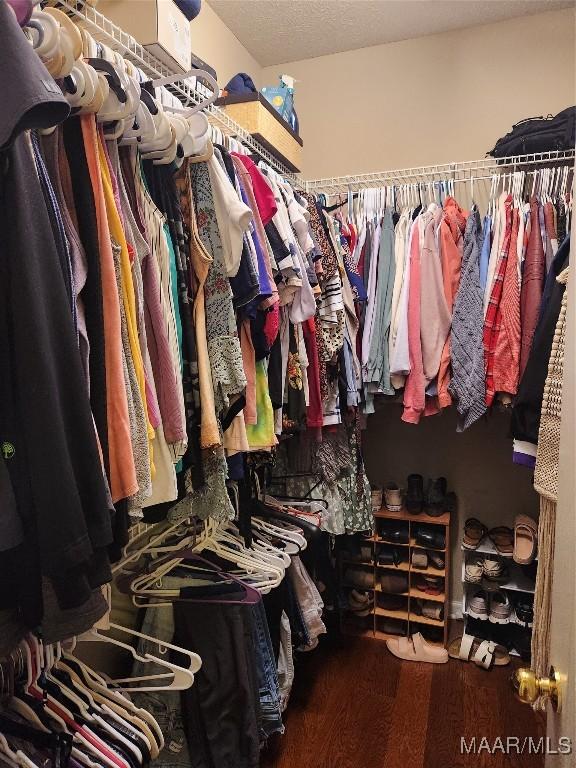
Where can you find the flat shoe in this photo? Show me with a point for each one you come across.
(474, 532)
(525, 539)
(503, 539)
(430, 539)
(415, 648)
(484, 653)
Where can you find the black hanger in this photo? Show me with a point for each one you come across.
(148, 101)
(101, 65)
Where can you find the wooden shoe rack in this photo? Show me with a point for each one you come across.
(404, 616)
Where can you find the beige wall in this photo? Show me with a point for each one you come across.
(218, 46)
(477, 464)
(434, 99)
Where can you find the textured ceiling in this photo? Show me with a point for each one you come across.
(279, 31)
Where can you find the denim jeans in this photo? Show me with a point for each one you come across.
(165, 706)
(270, 710)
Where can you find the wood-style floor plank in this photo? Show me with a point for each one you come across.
(354, 705)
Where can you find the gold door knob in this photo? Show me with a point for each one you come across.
(528, 687)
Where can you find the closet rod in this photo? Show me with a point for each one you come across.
(461, 171)
(105, 31)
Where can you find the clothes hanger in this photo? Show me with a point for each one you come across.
(114, 699)
(213, 85)
(268, 576)
(200, 566)
(181, 678)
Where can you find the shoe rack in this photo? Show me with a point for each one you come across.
(403, 616)
(521, 581)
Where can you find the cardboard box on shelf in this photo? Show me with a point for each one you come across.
(158, 25)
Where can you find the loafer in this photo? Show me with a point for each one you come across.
(415, 494)
(430, 538)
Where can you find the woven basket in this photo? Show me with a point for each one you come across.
(261, 120)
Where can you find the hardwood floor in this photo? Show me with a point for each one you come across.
(354, 705)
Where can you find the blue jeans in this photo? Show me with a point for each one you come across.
(270, 710)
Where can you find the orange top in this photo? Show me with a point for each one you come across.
(451, 250)
(123, 481)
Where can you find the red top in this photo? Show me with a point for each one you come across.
(264, 196)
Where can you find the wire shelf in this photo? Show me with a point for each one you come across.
(458, 172)
(190, 92)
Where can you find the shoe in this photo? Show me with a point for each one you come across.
(393, 497)
(359, 598)
(419, 559)
(429, 609)
(521, 640)
(415, 494)
(478, 606)
(430, 537)
(360, 603)
(415, 648)
(359, 578)
(473, 572)
(524, 613)
(494, 572)
(503, 539)
(376, 498)
(361, 555)
(432, 585)
(395, 535)
(474, 532)
(392, 602)
(436, 497)
(394, 583)
(436, 558)
(392, 627)
(390, 556)
(525, 539)
(484, 653)
(500, 609)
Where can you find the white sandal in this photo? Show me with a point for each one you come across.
(486, 653)
(415, 648)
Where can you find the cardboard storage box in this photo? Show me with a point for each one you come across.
(158, 25)
(257, 116)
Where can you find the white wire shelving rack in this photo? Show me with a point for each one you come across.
(189, 91)
(458, 172)
(192, 92)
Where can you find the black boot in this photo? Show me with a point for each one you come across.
(415, 494)
(436, 497)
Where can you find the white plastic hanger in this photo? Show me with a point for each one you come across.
(187, 112)
(181, 678)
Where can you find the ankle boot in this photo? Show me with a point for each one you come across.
(415, 494)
